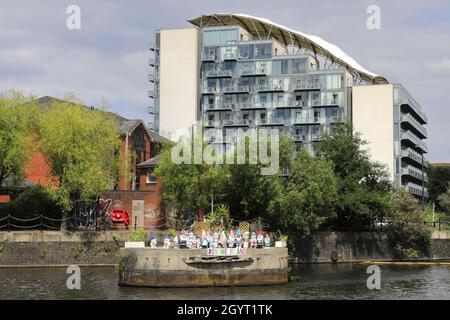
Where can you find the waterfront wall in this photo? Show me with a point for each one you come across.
(357, 246)
(194, 268)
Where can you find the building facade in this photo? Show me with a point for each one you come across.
(251, 72)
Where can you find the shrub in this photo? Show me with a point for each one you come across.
(137, 235)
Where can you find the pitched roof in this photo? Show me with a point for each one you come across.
(153, 162)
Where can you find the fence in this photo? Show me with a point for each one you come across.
(40, 222)
(441, 222)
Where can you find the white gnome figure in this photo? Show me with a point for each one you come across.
(183, 240)
(267, 241)
(153, 242)
(216, 240)
(260, 239)
(167, 241)
(204, 240)
(189, 240)
(238, 239)
(246, 240)
(253, 240)
(223, 240)
(194, 241)
(209, 239)
(175, 242)
(231, 239)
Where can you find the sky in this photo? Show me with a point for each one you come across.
(106, 59)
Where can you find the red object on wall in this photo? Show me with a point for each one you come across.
(5, 198)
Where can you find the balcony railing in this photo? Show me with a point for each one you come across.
(217, 73)
(209, 90)
(415, 189)
(414, 172)
(230, 56)
(151, 62)
(306, 86)
(414, 106)
(405, 117)
(408, 135)
(236, 89)
(414, 155)
(325, 102)
(152, 46)
(270, 87)
(209, 57)
(151, 93)
(151, 77)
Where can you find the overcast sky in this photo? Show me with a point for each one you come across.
(107, 57)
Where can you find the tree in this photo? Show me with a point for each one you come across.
(362, 185)
(16, 128)
(405, 225)
(187, 187)
(444, 200)
(306, 199)
(82, 147)
(438, 180)
(247, 192)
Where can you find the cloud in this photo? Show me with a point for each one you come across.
(107, 58)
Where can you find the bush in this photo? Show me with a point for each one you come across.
(137, 235)
(32, 203)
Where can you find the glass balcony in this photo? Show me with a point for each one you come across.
(219, 106)
(415, 140)
(209, 57)
(271, 87)
(209, 90)
(151, 93)
(151, 78)
(219, 73)
(414, 172)
(151, 109)
(413, 155)
(415, 189)
(306, 86)
(236, 89)
(406, 117)
(151, 62)
(152, 46)
(317, 103)
(415, 107)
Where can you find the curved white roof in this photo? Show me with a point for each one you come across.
(287, 36)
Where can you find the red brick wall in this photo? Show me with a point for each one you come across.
(38, 170)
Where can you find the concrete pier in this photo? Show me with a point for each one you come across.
(194, 268)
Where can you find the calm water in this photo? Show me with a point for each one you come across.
(315, 281)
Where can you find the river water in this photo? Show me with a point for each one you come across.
(310, 281)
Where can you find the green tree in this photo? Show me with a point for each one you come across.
(405, 225)
(362, 185)
(187, 187)
(82, 147)
(306, 198)
(444, 200)
(438, 180)
(16, 133)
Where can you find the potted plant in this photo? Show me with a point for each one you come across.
(136, 239)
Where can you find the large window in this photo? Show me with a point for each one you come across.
(219, 37)
(263, 50)
(246, 51)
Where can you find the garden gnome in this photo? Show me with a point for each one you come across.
(246, 239)
(238, 239)
(253, 240)
(175, 242)
(231, 239)
(209, 239)
(193, 241)
(267, 241)
(183, 240)
(153, 241)
(167, 241)
(223, 240)
(260, 239)
(204, 240)
(216, 240)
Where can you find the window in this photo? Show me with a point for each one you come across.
(219, 37)
(151, 178)
(263, 50)
(246, 51)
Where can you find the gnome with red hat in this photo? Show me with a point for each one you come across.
(260, 239)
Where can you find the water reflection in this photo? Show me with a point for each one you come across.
(312, 281)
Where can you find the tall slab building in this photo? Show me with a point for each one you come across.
(235, 71)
